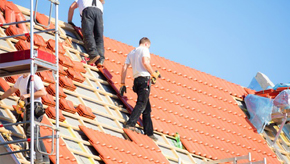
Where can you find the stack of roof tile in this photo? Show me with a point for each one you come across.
(67, 83)
(12, 79)
(38, 40)
(46, 76)
(85, 111)
(13, 30)
(79, 66)
(65, 155)
(45, 49)
(51, 90)
(67, 105)
(3, 5)
(51, 46)
(9, 15)
(48, 100)
(4, 85)
(50, 112)
(20, 17)
(2, 19)
(22, 45)
(61, 70)
(43, 19)
(65, 61)
(116, 150)
(75, 75)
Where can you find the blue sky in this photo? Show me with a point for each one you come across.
(230, 39)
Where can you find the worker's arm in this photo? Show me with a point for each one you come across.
(124, 73)
(147, 65)
(8, 93)
(72, 7)
(37, 94)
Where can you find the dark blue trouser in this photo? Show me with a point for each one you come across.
(142, 88)
(39, 156)
(92, 29)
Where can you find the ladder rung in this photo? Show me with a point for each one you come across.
(13, 152)
(6, 24)
(25, 140)
(16, 123)
(26, 34)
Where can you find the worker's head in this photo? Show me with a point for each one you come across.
(145, 42)
(25, 75)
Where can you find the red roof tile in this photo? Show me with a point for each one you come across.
(195, 104)
(65, 154)
(48, 100)
(116, 150)
(66, 105)
(43, 19)
(85, 111)
(50, 112)
(4, 85)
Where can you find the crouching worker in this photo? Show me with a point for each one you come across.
(23, 84)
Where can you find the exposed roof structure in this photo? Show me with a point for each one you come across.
(205, 110)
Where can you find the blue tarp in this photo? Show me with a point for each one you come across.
(281, 85)
(260, 110)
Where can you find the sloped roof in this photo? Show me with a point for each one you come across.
(200, 107)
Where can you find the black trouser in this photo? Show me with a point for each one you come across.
(39, 157)
(142, 88)
(92, 29)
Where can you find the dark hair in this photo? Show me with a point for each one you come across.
(144, 40)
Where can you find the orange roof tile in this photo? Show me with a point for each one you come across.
(113, 149)
(198, 106)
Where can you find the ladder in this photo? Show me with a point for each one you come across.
(35, 63)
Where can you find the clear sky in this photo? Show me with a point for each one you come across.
(230, 39)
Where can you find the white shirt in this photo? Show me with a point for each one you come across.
(135, 59)
(21, 84)
(82, 4)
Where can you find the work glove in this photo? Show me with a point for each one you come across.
(71, 23)
(123, 89)
(154, 76)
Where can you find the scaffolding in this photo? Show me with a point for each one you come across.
(30, 62)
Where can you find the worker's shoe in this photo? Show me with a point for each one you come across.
(153, 137)
(132, 128)
(100, 62)
(93, 60)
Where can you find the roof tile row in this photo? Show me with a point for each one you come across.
(116, 150)
(50, 112)
(65, 154)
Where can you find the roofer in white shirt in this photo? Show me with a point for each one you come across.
(23, 85)
(92, 28)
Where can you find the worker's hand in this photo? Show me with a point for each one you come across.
(154, 76)
(123, 89)
(23, 97)
(71, 23)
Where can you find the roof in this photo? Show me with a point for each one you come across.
(203, 109)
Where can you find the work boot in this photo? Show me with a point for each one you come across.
(100, 62)
(93, 60)
(132, 128)
(153, 137)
